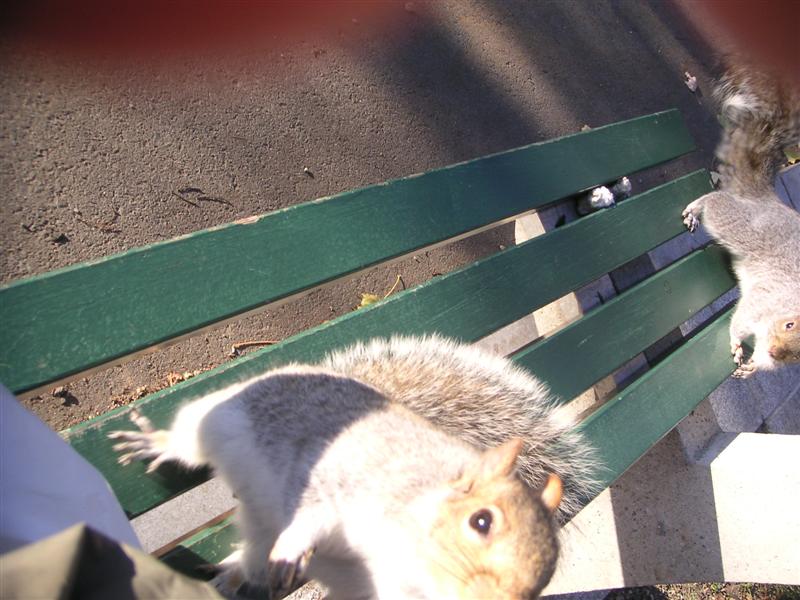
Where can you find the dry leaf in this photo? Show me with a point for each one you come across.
(792, 154)
(367, 299)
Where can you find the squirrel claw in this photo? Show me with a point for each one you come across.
(690, 221)
(690, 216)
(745, 370)
(286, 574)
(148, 443)
(738, 353)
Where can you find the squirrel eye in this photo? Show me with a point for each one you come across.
(789, 325)
(481, 521)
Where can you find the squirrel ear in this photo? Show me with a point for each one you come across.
(500, 461)
(551, 494)
(493, 463)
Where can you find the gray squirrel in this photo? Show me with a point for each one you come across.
(414, 468)
(761, 116)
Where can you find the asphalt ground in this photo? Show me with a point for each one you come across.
(93, 154)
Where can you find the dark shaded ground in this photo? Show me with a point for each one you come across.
(709, 591)
(90, 159)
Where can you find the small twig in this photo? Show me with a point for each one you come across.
(235, 348)
(105, 227)
(214, 199)
(190, 190)
(397, 281)
(177, 195)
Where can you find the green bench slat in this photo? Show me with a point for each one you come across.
(623, 429)
(465, 304)
(209, 546)
(489, 294)
(617, 331)
(72, 320)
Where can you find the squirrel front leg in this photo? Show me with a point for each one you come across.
(290, 556)
(691, 214)
(180, 443)
(742, 326)
(147, 443)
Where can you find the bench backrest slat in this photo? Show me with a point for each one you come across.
(73, 320)
(466, 304)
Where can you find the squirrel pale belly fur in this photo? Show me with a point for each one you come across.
(761, 116)
(414, 468)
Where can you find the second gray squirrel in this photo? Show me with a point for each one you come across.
(761, 115)
(414, 468)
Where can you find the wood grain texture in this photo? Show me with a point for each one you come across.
(72, 320)
(466, 304)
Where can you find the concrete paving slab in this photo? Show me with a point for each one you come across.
(737, 406)
(188, 511)
(665, 521)
(786, 418)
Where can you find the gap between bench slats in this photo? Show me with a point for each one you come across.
(629, 424)
(466, 304)
(77, 319)
(582, 353)
(622, 430)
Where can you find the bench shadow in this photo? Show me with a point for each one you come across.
(581, 64)
(666, 519)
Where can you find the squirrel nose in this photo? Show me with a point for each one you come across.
(773, 352)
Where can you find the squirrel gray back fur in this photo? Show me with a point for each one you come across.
(481, 399)
(763, 235)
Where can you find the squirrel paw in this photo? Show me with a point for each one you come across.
(738, 353)
(745, 370)
(231, 584)
(287, 570)
(690, 216)
(141, 445)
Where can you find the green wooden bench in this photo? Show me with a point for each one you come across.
(66, 323)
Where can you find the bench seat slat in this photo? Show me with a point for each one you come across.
(582, 353)
(80, 318)
(623, 429)
(466, 304)
(208, 546)
(633, 421)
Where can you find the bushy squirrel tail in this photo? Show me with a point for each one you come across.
(760, 116)
(482, 399)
